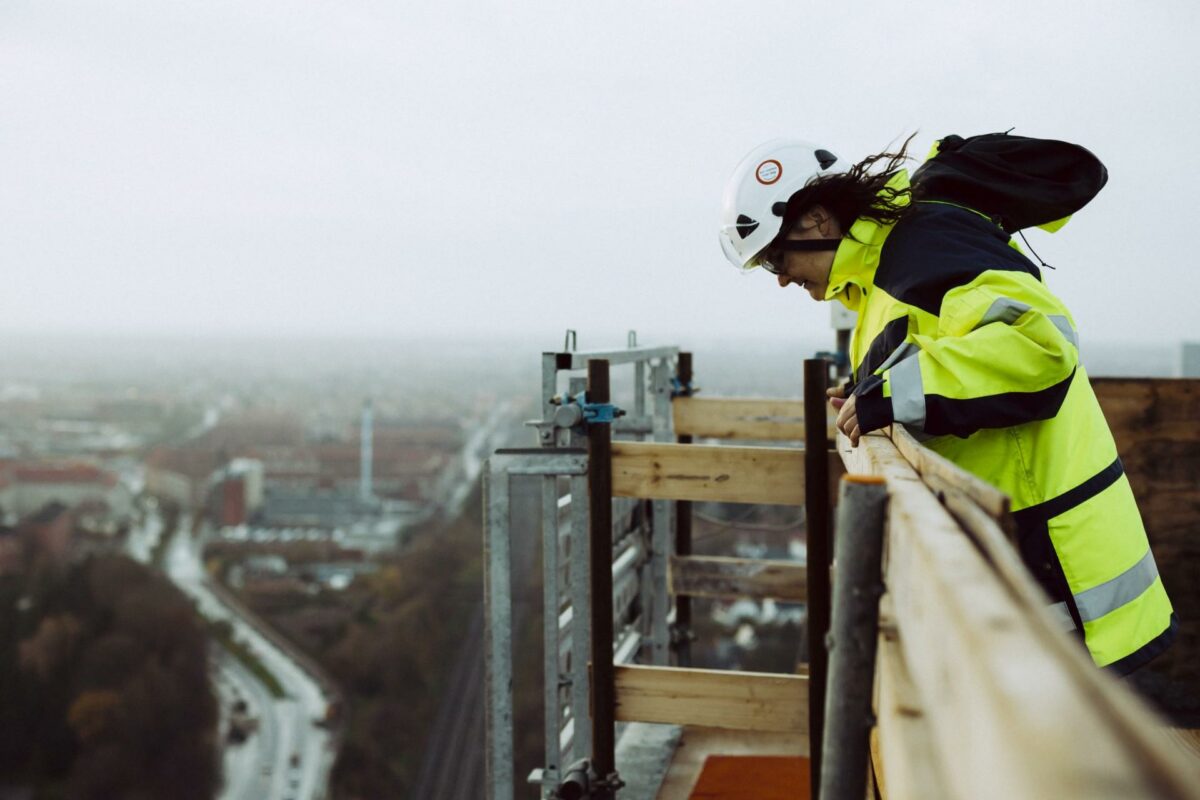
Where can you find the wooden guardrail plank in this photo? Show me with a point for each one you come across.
(737, 418)
(1006, 695)
(664, 471)
(741, 418)
(719, 576)
(750, 701)
(905, 760)
(1119, 709)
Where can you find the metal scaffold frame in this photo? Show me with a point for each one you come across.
(932, 600)
(641, 543)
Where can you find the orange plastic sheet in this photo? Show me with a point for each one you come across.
(752, 778)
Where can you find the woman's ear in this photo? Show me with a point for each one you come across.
(820, 219)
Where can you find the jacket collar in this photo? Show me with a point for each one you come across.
(853, 272)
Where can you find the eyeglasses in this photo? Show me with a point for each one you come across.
(771, 258)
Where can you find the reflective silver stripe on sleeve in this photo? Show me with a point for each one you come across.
(1003, 309)
(1061, 616)
(1064, 326)
(1125, 588)
(908, 393)
(899, 354)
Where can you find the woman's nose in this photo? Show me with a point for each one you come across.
(784, 280)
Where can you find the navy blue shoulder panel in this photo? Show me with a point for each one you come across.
(937, 247)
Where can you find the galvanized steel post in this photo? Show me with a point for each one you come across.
(497, 593)
(551, 639)
(581, 615)
(816, 504)
(683, 537)
(601, 558)
(662, 521)
(862, 506)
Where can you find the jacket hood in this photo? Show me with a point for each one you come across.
(857, 257)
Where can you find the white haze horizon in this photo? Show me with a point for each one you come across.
(462, 171)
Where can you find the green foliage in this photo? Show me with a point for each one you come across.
(104, 688)
(390, 642)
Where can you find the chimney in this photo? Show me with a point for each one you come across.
(365, 437)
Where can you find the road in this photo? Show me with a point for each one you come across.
(293, 757)
(144, 536)
(247, 767)
(499, 428)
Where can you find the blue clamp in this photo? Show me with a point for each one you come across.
(597, 413)
(681, 389)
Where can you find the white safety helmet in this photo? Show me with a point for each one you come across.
(757, 194)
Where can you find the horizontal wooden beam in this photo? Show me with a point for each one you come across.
(722, 577)
(664, 471)
(958, 620)
(735, 418)
(741, 418)
(902, 749)
(748, 701)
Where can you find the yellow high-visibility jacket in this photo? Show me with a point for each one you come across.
(960, 340)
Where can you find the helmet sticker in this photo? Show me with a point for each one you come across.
(768, 172)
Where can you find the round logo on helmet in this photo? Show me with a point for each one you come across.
(768, 172)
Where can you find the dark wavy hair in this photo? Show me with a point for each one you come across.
(861, 191)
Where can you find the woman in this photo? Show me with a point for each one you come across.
(959, 339)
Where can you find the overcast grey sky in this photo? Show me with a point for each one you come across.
(378, 168)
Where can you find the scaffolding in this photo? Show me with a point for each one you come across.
(955, 713)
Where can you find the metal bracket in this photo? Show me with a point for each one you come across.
(581, 782)
(609, 784)
(576, 410)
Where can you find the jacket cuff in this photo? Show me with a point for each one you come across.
(873, 409)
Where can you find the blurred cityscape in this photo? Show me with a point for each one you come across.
(276, 485)
(248, 569)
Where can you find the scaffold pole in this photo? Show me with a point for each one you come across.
(600, 551)
(816, 505)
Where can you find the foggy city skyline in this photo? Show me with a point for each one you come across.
(283, 465)
(392, 170)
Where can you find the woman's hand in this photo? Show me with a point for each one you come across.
(836, 395)
(847, 420)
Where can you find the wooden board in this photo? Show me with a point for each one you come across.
(902, 752)
(1188, 741)
(739, 418)
(1005, 695)
(752, 701)
(659, 471)
(723, 577)
(1156, 424)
